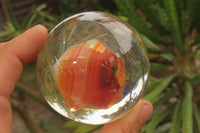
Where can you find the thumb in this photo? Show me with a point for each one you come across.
(131, 122)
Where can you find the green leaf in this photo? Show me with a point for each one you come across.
(129, 10)
(193, 12)
(144, 128)
(123, 18)
(12, 15)
(87, 128)
(197, 41)
(161, 67)
(176, 121)
(198, 54)
(80, 127)
(161, 15)
(160, 86)
(181, 15)
(195, 80)
(148, 43)
(28, 20)
(152, 83)
(47, 16)
(175, 26)
(189, 74)
(22, 88)
(6, 35)
(168, 56)
(152, 79)
(151, 47)
(53, 129)
(71, 124)
(154, 13)
(197, 116)
(187, 109)
(163, 97)
(32, 16)
(158, 118)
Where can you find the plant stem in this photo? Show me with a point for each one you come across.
(26, 115)
(5, 10)
(186, 62)
(35, 96)
(30, 92)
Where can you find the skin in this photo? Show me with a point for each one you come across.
(24, 49)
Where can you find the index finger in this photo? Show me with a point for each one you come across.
(18, 52)
(13, 55)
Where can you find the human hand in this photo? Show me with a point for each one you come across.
(25, 49)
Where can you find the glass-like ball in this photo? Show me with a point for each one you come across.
(93, 68)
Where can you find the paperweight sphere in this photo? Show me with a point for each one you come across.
(93, 68)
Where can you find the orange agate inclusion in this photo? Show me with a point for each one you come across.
(88, 74)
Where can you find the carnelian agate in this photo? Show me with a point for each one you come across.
(89, 74)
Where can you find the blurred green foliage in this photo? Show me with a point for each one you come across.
(170, 31)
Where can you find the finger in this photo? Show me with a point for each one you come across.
(5, 115)
(13, 55)
(29, 44)
(131, 122)
(16, 53)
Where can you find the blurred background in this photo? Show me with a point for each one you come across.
(170, 31)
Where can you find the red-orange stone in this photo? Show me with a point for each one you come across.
(89, 74)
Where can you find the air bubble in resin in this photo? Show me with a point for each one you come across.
(93, 68)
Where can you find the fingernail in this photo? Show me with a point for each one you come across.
(145, 112)
(40, 26)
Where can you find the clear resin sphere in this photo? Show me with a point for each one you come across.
(93, 68)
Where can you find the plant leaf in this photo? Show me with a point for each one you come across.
(28, 20)
(197, 117)
(187, 109)
(181, 15)
(153, 79)
(32, 16)
(6, 35)
(154, 13)
(168, 56)
(129, 10)
(197, 41)
(32, 94)
(52, 129)
(151, 47)
(47, 16)
(161, 14)
(12, 15)
(193, 12)
(80, 127)
(163, 97)
(161, 67)
(195, 80)
(152, 83)
(84, 128)
(175, 26)
(176, 121)
(144, 128)
(158, 118)
(71, 124)
(164, 82)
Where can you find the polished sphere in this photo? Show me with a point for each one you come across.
(93, 67)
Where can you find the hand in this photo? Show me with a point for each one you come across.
(25, 49)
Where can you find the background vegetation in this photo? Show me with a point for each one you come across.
(170, 31)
